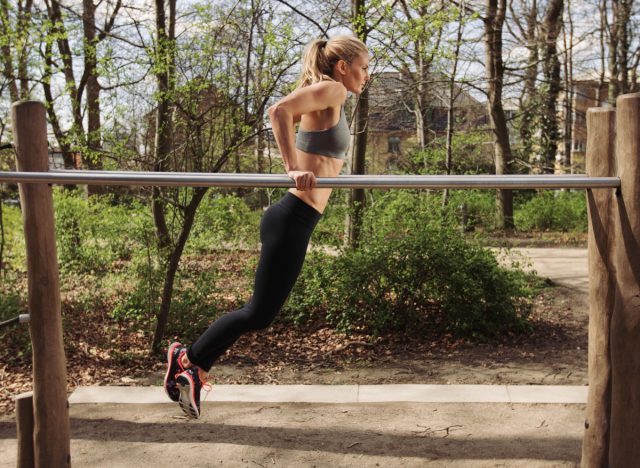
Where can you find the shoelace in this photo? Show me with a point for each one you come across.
(206, 385)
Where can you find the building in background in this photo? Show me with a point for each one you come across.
(587, 92)
(392, 127)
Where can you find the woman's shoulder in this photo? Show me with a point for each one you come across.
(328, 90)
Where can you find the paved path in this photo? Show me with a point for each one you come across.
(399, 393)
(565, 267)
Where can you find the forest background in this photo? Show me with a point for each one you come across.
(184, 86)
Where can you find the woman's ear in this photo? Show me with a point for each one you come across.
(341, 67)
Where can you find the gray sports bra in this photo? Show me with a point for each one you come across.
(332, 142)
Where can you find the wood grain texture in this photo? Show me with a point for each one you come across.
(624, 449)
(600, 161)
(51, 414)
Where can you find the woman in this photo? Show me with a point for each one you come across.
(330, 70)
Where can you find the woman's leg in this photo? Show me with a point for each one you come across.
(285, 230)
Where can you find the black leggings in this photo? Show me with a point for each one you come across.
(285, 230)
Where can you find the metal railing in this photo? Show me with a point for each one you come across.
(195, 179)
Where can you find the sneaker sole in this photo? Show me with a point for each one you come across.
(167, 376)
(187, 400)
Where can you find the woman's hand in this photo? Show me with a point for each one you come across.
(305, 180)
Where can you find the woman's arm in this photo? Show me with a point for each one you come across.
(286, 112)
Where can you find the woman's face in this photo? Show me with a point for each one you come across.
(356, 73)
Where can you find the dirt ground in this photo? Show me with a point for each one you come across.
(554, 353)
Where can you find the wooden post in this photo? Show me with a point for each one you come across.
(600, 160)
(624, 445)
(24, 426)
(51, 414)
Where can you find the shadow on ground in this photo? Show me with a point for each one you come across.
(398, 434)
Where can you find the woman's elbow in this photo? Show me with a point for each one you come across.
(278, 112)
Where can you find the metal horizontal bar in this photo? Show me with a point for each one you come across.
(195, 179)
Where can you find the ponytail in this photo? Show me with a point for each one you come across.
(321, 55)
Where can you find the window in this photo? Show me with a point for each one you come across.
(394, 144)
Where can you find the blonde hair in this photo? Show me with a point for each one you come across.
(321, 55)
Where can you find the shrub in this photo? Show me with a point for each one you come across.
(224, 219)
(479, 206)
(13, 302)
(413, 271)
(553, 210)
(14, 254)
(92, 233)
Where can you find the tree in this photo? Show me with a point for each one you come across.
(493, 23)
(452, 95)
(82, 94)
(360, 127)
(413, 31)
(529, 97)
(16, 29)
(567, 104)
(550, 131)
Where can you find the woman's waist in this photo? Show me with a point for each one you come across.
(316, 198)
(321, 166)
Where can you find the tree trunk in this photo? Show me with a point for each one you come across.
(172, 267)
(567, 161)
(6, 50)
(614, 90)
(550, 130)
(357, 201)
(360, 128)
(450, 105)
(94, 139)
(530, 93)
(493, 24)
(164, 131)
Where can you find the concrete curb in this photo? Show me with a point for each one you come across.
(345, 394)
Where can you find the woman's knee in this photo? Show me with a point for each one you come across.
(260, 318)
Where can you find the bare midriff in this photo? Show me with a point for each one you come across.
(321, 166)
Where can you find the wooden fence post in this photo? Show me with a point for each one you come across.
(624, 445)
(600, 161)
(24, 426)
(51, 414)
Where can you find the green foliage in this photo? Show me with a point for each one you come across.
(224, 220)
(553, 210)
(93, 233)
(141, 298)
(413, 270)
(195, 303)
(14, 254)
(471, 155)
(331, 230)
(478, 206)
(13, 302)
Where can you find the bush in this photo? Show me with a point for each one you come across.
(13, 302)
(471, 155)
(553, 210)
(479, 206)
(93, 233)
(14, 256)
(224, 219)
(409, 273)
